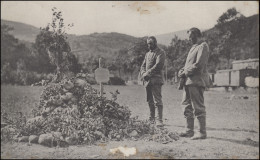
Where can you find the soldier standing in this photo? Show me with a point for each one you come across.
(152, 76)
(196, 80)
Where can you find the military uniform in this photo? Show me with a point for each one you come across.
(197, 79)
(152, 66)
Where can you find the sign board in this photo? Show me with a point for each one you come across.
(102, 75)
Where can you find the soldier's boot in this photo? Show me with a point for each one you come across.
(160, 115)
(202, 134)
(189, 128)
(152, 113)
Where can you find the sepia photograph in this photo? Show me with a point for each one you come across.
(129, 79)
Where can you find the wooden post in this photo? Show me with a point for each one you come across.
(166, 71)
(175, 77)
(100, 83)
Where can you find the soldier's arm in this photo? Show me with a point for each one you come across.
(201, 60)
(160, 59)
(143, 67)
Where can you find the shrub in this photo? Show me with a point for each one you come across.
(21, 77)
(75, 111)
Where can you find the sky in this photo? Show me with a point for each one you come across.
(136, 18)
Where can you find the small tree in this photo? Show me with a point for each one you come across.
(229, 24)
(53, 40)
(229, 15)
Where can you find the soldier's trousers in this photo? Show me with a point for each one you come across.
(193, 102)
(154, 98)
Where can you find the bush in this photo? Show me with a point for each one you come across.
(21, 77)
(91, 80)
(7, 74)
(28, 78)
(86, 77)
(72, 111)
(116, 81)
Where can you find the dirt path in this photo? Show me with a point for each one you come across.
(233, 144)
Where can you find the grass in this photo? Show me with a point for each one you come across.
(232, 125)
(243, 113)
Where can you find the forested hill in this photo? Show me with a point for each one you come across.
(22, 31)
(234, 40)
(96, 44)
(230, 39)
(100, 44)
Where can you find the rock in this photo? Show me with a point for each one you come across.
(33, 139)
(125, 150)
(134, 133)
(58, 109)
(173, 136)
(46, 139)
(118, 137)
(80, 82)
(71, 140)
(47, 110)
(99, 134)
(252, 82)
(23, 139)
(83, 75)
(69, 95)
(12, 130)
(68, 85)
(8, 129)
(35, 119)
(57, 136)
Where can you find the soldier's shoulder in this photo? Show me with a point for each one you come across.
(161, 51)
(204, 45)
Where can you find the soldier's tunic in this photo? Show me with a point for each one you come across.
(153, 66)
(195, 70)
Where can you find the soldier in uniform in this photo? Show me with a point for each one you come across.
(152, 76)
(196, 80)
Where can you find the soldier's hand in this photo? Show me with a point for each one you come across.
(146, 78)
(181, 73)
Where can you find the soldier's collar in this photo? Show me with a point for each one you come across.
(194, 45)
(154, 49)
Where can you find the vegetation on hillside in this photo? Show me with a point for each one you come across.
(234, 37)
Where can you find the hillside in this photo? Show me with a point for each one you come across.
(22, 31)
(105, 44)
(243, 44)
(166, 38)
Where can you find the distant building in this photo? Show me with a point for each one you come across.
(246, 64)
